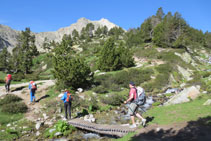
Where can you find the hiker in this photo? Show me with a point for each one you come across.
(8, 80)
(67, 98)
(32, 88)
(133, 106)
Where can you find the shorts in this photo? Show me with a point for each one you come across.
(132, 109)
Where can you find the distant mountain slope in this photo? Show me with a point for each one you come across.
(8, 36)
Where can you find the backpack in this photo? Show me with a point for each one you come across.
(9, 77)
(68, 99)
(141, 97)
(34, 86)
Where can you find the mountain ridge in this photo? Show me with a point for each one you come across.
(8, 36)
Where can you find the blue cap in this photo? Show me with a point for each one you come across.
(132, 83)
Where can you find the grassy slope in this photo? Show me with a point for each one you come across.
(184, 112)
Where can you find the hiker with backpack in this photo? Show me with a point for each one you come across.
(32, 88)
(136, 99)
(67, 99)
(8, 80)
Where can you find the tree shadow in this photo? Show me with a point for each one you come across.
(43, 97)
(18, 88)
(194, 131)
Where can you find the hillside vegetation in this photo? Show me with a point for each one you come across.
(163, 53)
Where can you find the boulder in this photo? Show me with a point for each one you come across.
(60, 95)
(38, 125)
(97, 71)
(207, 103)
(8, 125)
(80, 90)
(45, 116)
(185, 73)
(37, 133)
(184, 96)
(58, 134)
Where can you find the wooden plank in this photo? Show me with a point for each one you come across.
(116, 130)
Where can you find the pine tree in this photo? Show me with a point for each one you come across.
(70, 72)
(75, 34)
(5, 61)
(113, 58)
(98, 32)
(25, 51)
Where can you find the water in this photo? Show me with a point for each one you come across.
(91, 136)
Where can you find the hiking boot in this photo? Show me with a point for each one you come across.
(144, 122)
(133, 126)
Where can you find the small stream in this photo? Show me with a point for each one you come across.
(114, 117)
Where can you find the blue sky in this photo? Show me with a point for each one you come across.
(50, 15)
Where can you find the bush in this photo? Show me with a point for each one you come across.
(105, 108)
(10, 99)
(121, 79)
(13, 108)
(100, 89)
(61, 126)
(2, 81)
(113, 99)
(33, 76)
(18, 76)
(147, 53)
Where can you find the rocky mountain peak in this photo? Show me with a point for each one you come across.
(8, 36)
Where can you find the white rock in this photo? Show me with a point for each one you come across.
(58, 134)
(44, 67)
(13, 128)
(24, 132)
(97, 71)
(91, 116)
(184, 96)
(80, 90)
(182, 85)
(24, 127)
(204, 92)
(60, 95)
(38, 125)
(208, 102)
(158, 129)
(93, 120)
(45, 116)
(8, 125)
(186, 74)
(94, 93)
(102, 73)
(37, 133)
(48, 123)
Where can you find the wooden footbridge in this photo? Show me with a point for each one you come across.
(114, 130)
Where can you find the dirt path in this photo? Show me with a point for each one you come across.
(22, 91)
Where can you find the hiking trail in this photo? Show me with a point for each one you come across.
(22, 91)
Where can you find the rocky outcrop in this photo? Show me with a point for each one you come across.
(185, 96)
(207, 103)
(185, 73)
(8, 36)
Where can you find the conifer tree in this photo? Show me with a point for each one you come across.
(5, 61)
(69, 71)
(24, 52)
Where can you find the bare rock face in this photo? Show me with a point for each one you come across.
(184, 96)
(8, 36)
